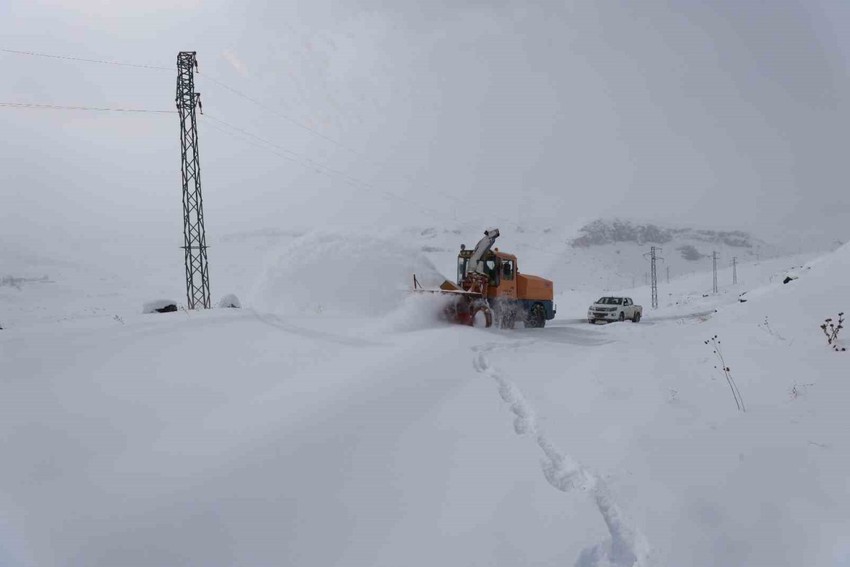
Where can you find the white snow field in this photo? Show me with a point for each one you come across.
(335, 420)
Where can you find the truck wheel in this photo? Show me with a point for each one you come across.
(481, 317)
(622, 316)
(636, 318)
(537, 317)
(507, 320)
(591, 321)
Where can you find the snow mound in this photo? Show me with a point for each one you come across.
(159, 306)
(338, 273)
(817, 289)
(230, 301)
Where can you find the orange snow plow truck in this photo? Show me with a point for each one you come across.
(490, 287)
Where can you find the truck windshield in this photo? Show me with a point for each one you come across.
(461, 269)
(492, 272)
(610, 301)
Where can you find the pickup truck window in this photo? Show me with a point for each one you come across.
(610, 301)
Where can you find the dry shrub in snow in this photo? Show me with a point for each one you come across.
(831, 331)
(727, 372)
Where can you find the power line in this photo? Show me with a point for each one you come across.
(307, 162)
(32, 105)
(251, 142)
(222, 85)
(268, 145)
(84, 60)
(206, 76)
(250, 138)
(312, 130)
(320, 168)
(250, 135)
(298, 158)
(277, 113)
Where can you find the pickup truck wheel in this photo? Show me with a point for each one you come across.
(636, 318)
(622, 316)
(536, 317)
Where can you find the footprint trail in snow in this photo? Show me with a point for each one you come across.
(627, 546)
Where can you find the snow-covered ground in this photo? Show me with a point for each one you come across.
(334, 420)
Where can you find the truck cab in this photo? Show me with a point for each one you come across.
(501, 271)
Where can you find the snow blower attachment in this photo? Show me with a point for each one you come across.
(489, 287)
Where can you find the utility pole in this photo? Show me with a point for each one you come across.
(714, 269)
(194, 236)
(652, 263)
(668, 274)
(734, 270)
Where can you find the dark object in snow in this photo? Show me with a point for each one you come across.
(160, 306)
(741, 298)
(230, 301)
(789, 279)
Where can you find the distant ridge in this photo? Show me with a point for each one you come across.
(600, 232)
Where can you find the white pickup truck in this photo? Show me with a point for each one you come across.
(614, 309)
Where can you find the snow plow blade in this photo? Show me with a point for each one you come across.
(464, 307)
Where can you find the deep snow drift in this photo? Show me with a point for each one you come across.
(335, 420)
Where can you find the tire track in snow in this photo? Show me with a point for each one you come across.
(627, 546)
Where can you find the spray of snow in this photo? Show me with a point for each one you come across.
(230, 301)
(344, 274)
(417, 311)
(627, 546)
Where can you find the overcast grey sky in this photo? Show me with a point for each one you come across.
(725, 113)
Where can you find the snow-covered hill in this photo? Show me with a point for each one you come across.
(336, 421)
(615, 253)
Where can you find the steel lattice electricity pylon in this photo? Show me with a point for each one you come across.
(654, 274)
(735, 270)
(194, 237)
